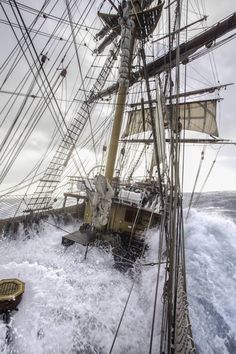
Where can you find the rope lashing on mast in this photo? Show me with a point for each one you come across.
(127, 26)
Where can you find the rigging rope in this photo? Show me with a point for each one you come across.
(122, 316)
(81, 74)
(160, 251)
(196, 179)
(206, 179)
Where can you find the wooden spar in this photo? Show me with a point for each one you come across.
(113, 146)
(205, 141)
(188, 141)
(201, 91)
(186, 50)
(118, 118)
(180, 30)
(188, 93)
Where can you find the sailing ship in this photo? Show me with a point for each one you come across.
(126, 110)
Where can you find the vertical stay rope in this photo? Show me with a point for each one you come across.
(207, 177)
(175, 242)
(122, 316)
(38, 59)
(18, 57)
(160, 250)
(64, 152)
(63, 161)
(153, 124)
(54, 117)
(196, 180)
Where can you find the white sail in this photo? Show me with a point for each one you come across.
(197, 116)
(100, 201)
(137, 123)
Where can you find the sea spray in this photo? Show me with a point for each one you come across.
(73, 305)
(211, 266)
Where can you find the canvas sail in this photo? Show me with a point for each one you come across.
(199, 116)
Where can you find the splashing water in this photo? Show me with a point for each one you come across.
(211, 265)
(72, 305)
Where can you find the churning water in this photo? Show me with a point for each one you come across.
(74, 305)
(211, 265)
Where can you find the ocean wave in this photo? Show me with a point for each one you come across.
(72, 304)
(211, 265)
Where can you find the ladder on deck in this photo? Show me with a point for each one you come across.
(42, 198)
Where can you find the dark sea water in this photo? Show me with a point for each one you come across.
(72, 305)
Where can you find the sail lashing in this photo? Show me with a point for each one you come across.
(100, 201)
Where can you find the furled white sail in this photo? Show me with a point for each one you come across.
(100, 201)
(197, 116)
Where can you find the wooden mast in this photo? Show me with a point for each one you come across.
(187, 49)
(113, 147)
(119, 112)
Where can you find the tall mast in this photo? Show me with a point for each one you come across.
(127, 48)
(187, 49)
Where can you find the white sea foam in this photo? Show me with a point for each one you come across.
(72, 305)
(211, 267)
